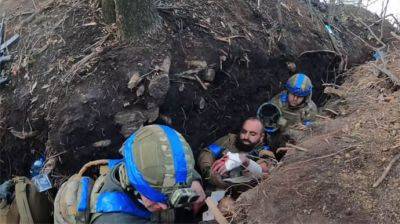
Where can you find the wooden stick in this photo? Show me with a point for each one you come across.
(217, 213)
(385, 173)
(296, 147)
(201, 82)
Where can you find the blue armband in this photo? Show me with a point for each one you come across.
(216, 150)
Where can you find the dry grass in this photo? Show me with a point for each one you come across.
(347, 156)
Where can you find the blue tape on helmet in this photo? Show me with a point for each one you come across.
(136, 178)
(216, 150)
(299, 81)
(178, 154)
(113, 163)
(84, 197)
(119, 202)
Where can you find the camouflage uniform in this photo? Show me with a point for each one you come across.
(157, 161)
(298, 85)
(229, 143)
(301, 114)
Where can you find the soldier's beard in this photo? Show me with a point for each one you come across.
(247, 147)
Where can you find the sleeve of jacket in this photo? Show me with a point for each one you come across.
(310, 112)
(207, 157)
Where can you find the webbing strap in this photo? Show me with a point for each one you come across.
(22, 202)
(178, 154)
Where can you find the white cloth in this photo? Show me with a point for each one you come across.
(233, 161)
(254, 167)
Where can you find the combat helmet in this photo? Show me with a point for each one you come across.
(157, 162)
(299, 85)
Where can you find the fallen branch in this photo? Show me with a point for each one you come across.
(296, 147)
(391, 76)
(385, 173)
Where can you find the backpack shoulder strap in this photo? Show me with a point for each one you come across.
(22, 200)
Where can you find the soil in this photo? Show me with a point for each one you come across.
(333, 182)
(69, 94)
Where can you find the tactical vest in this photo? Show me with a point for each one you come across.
(28, 205)
(82, 199)
(303, 114)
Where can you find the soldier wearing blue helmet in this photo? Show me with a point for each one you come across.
(155, 175)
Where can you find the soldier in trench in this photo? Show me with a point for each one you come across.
(155, 176)
(296, 108)
(237, 159)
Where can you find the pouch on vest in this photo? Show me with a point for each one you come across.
(72, 203)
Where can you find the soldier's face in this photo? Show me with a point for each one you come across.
(294, 100)
(252, 133)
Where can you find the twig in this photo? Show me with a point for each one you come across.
(331, 111)
(323, 117)
(327, 156)
(385, 173)
(369, 29)
(56, 155)
(77, 66)
(362, 40)
(296, 147)
(201, 82)
(391, 76)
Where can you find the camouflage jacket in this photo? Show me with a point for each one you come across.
(226, 144)
(305, 113)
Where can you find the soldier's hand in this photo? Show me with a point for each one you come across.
(219, 166)
(196, 206)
